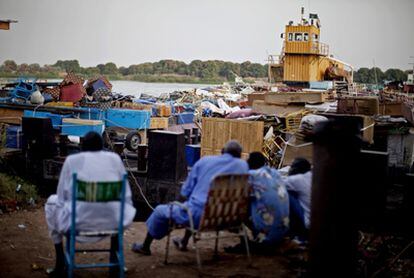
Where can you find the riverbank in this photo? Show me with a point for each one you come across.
(148, 78)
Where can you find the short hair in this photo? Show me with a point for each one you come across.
(233, 148)
(299, 166)
(256, 160)
(92, 142)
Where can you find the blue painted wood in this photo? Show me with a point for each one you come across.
(128, 118)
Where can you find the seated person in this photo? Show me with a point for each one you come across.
(269, 206)
(92, 164)
(299, 184)
(195, 189)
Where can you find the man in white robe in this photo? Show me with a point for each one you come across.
(92, 164)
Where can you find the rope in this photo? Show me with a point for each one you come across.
(139, 187)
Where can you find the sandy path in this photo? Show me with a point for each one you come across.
(22, 250)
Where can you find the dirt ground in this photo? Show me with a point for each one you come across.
(27, 251)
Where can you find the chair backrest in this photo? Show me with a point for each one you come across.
(98, 192)
(227, 202)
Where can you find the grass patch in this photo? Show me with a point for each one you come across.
(15, 192)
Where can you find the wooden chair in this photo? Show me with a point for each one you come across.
(226, 209)
(97, 192)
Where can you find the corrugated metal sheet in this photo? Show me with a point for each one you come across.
(296, 68)
(216, 132)
(305, 68)
(304, 46)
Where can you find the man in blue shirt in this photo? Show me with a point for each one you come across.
(195, 190)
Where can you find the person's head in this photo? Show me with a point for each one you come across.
(256, 160)
(233, 148)
(92, 142)
(299, 166)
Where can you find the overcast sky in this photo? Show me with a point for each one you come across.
(134, 31)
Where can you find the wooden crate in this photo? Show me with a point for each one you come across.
(217, 131)
(392, 109)
(11, 116)
(255, 96)
(272, 109)
(358, 105)
(294, 97)
(158, 122)
(291, 152)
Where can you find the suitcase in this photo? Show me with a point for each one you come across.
(72, 93)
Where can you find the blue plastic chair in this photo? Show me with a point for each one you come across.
(97, 192)
(23, 90)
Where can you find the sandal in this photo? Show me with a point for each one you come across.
(139, 248)
(179, 244)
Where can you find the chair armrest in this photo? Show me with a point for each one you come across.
(187, 210)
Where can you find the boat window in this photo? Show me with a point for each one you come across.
(315, 37)
(305, 37)
(290, 37)
(298, 37)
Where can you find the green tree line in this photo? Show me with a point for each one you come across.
(176, 71)
(168, 70)
(376, 75)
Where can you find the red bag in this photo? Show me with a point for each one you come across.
(71, 93)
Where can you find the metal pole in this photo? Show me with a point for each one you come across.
(333, 233)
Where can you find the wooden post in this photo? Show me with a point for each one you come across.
(333, 234)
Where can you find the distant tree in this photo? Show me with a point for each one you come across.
(22, 68)
(68, 65)
(101, 68)
(9, 66)
(362, 75)
(245, 69)
(376, 76)
(229, 69)
(395, 75)
(34, 68)
(91, 71)
(109, 68)
(195, 68)
(123, 70)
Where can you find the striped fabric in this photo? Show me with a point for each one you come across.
(227, 203)
(72, 78)
(104, 80)
(54, 92)
(99, 191)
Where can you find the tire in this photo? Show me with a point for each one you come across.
(108, 137)
(132, 140)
